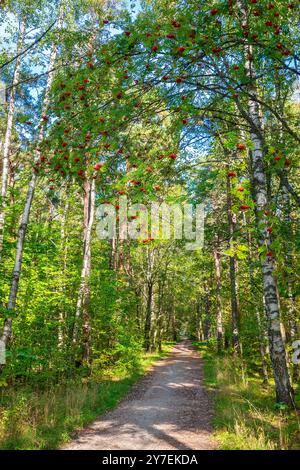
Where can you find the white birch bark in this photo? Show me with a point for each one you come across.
(284, 392)
(8, 133)
(277, 346)
(7, 329)
(233, 275)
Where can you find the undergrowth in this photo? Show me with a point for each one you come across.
(31, 418)
(246, 416)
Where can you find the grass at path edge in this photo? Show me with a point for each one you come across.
(39, 420)
(245, 414)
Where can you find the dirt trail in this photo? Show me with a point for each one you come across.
(168, 409)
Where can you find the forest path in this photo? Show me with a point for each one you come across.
(168, 409)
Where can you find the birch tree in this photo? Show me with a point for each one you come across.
(284, 392)
(7, 329)
(9, 126)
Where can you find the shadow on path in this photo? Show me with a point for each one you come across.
(168, 409)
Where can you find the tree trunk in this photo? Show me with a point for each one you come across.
(160, 314)
(199, 322)
(174, 327)
(261, 330)
(233, 275)
(63, 248)
(217, 259)
(148, 321)
(7, 329)
(83, 300)
(207, 319)
(284, 392)
(8, 134)
(113, 253)
(291, 307)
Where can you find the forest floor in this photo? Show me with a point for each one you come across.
(41, 414)
(168, 409)
(246, 416)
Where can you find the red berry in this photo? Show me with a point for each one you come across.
(98, 166)
(286, 52)
(241, 146)
(176, 24)
(180, 49)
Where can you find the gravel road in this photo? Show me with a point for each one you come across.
(168, 409)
